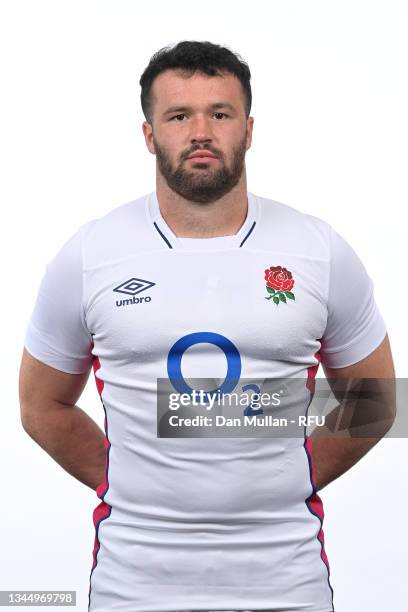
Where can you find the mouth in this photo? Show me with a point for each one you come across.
(202, 156)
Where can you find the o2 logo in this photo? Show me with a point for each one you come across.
(233, 365)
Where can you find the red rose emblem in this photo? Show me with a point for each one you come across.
(279, 284)
(279, 278)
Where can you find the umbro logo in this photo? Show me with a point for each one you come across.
(132, 287)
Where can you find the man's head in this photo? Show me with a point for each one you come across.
(196, 98)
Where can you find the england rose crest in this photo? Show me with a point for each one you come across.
(279, 284)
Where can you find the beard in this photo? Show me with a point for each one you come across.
(204, 184)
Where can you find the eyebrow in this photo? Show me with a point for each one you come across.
(179, 109)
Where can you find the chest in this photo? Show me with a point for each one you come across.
(138, 308)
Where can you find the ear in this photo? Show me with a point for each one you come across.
(249, 129)
(148, 135)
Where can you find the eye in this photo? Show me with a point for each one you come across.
(219, 113)
(176, 116)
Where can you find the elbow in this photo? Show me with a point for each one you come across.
(27, 417)
(388, 420)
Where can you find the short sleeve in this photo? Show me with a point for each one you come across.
(355, 327)
(56, 333)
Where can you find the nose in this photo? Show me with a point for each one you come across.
(200, 129)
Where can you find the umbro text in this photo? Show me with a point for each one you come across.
(134, 300)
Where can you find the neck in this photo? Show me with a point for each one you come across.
(188, 219)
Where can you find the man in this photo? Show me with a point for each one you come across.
(196, 279)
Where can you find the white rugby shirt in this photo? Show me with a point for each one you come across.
(203, 523)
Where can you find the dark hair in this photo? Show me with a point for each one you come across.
(191, 56)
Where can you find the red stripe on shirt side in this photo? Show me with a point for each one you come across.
(313, 502)
(103, 510)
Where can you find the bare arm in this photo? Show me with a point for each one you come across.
(334, 455)
(51, 418)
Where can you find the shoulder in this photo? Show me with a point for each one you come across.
(286, 228)
(119, 218)
(119, 233)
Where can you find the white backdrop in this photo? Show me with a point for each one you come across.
(330, 103)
